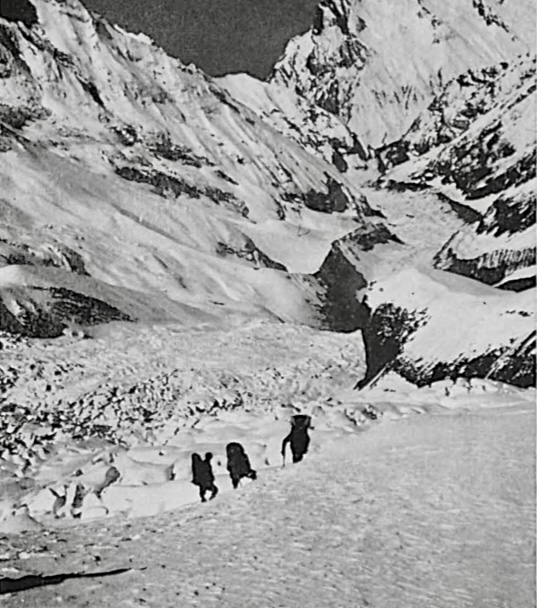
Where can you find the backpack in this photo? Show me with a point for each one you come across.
(300, 422)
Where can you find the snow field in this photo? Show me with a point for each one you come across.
(165, 393)
(425, 511)
(157, 478)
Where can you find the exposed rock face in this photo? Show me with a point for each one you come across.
(46, 313)
(367, 238)
(508, 215)
(150, 171)
(477, 143)
(514, 366)
(492, 267)
(387, 330)
(163, 195)
(334, 200)
(48, 255)
(346, 63)
(343, 280)
(469, 96)
(251, 253)
(427, 327)
(342, 309)
(31, 305)
(166, 186)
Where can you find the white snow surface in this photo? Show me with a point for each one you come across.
(452, 308)
(522, 273)
(408, 497)
(423, 510)
(482, 127)
(194, 255)
(100, 101)
(506, 116)
(377, 64)
(315, 129)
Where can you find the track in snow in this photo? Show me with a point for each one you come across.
(430, 511)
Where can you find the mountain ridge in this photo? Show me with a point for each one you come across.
(346, 62)
(211, 202)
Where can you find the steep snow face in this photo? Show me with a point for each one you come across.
(378, 63)
(474, 97)
(501, 248)
(315, 129)
(95, 79)
(210, 203)
(428, 325)
(476, 143)
(161, 181)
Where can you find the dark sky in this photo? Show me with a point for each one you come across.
(220, 36)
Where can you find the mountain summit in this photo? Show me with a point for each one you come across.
(377, 63)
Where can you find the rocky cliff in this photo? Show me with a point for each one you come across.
(156, 177)
(476, 144)
(377, 64)
(135, 189)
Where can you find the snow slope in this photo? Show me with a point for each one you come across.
(317, 130)
(198, 201)
(419, 315)
(170, 246)
(425, 511)
(476, 144)
(154, 175)
(184, 199)
(377, 64)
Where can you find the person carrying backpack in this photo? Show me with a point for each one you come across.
(238, 464)
(203, 476)
(298, 437)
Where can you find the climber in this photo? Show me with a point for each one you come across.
(298, 437)
(203, 476)
(238, 464)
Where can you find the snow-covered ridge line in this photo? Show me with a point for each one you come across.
(378, 64)
(199, 201)
(427, 325)
(207, 187)
(492, 267)
(476, 143)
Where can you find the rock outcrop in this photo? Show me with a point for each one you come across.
(476, 143)
(148, 170)
(428, 327)
(378, 64)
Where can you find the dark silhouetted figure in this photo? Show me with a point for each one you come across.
(238, 464)
(298, 437)
(203, 476)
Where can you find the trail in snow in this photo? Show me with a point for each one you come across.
(427, 511)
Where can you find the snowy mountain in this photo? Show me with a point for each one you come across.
(187, 261)
(156, 177)
(476, 144)
(377, 63)
(136, 189)
(315, 129)
(442, 97)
